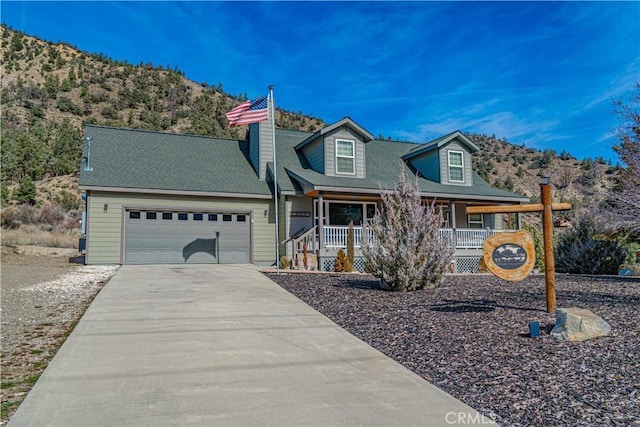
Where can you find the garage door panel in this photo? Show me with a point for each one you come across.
(162, 241)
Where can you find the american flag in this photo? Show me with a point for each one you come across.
(249, 112)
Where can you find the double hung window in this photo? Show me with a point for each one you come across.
(345, 156)
(456, 166)
(476, 221)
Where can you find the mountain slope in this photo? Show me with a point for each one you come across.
(50, 90)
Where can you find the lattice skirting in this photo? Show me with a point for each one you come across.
(326, 263)
(467, 264)
(462, 264)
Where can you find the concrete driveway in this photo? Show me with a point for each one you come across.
(223, 345)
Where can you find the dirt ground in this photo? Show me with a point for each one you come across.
(43, 295)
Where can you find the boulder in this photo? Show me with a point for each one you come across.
(578, 324)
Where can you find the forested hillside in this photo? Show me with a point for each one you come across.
(518, 168)
(50, 90)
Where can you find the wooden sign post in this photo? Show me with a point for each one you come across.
(547, 208)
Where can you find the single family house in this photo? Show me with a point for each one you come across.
(155, 197)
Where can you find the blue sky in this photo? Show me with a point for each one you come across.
(539, 73)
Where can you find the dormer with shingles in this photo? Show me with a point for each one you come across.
(337, 150)
(446, 160)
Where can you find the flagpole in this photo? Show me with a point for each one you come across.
(275, 175)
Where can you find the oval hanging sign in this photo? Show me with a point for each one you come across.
(510, 255)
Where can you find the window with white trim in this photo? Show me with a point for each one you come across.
(456, 166)
(345, 156)
(476, 221)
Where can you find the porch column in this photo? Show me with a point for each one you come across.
(320, 220)
(452, 213)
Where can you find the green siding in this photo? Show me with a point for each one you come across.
(104, 244)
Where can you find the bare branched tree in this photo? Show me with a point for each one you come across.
(626, 199)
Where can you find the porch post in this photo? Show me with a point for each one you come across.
(452, 213)
(320, 220)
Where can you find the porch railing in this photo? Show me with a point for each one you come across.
(335, 236)
(308, 238)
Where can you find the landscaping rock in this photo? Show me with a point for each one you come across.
(578, 324)
(449, 336)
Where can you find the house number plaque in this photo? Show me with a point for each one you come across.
(510, 255)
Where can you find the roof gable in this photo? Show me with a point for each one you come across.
(347, 121)
(439, 143)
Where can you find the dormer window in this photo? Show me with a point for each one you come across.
(456, 166)
(345, 156)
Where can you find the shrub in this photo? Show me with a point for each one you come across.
(52, 214)
(284, 263)
(72, 221)
(67, 200)
(585, 249)
(406, 251)
(66, 105)
(14, 216)
(304, 256)
(538, 244)
(341, 264)
(350, 244)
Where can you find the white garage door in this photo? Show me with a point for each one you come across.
(177, 237)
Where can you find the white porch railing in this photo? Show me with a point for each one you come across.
(467, 238)
(335, 236)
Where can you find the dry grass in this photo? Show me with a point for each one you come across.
(36, 236)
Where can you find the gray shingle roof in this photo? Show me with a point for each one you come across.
(139, 159)
(125, 158)
(383, 162)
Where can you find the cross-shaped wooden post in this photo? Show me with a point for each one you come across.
(547, 208)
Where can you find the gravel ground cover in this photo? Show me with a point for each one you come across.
(470, 337)
(43, 296)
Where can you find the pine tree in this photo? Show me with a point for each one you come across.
(26, 191)
(4, 193)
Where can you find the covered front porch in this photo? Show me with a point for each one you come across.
(323, 232)
(335, 237)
